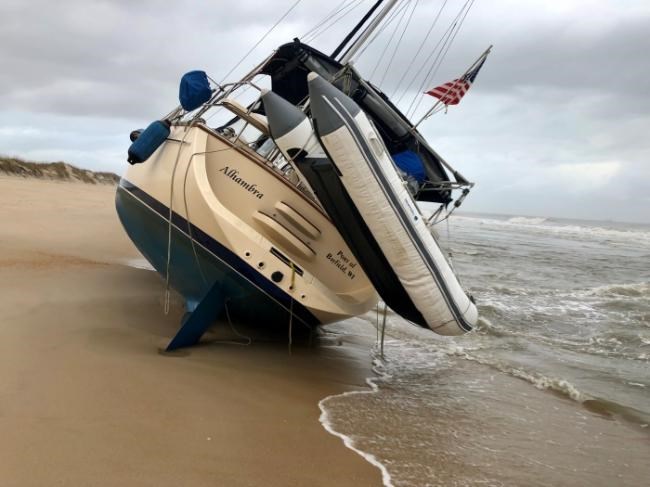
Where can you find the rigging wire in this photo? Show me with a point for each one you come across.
(434, 56)
(424, 64)
(295, 4)
(325, 19)
(431, 55)
(336, 21)
(390, 40)
(348, 40)
(408, 22)
(333, 20)
(380, 30)
(430, 77)
(419, 50)
(447, 40)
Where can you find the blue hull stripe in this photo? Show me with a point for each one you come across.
(224, 254)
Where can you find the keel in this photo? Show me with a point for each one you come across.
(196, 322)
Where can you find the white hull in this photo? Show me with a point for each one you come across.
(285, 241)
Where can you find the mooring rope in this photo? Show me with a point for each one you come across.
(171, 213)
(383, 331)
(291, 289)
(169, 220)
(248, 339)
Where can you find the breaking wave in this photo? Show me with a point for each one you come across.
(560, 386)
(565, 309)
(524, 220)
(568, 229)
(632, 290)
(641, 289)
(348, 440)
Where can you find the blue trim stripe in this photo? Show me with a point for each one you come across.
(223, 254)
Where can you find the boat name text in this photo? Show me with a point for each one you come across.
(233, 174)
(343, 263)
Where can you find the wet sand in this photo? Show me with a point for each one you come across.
(86, 397)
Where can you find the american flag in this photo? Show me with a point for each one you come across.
(451, 93)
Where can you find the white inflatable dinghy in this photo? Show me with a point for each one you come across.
(371, 180)
(293, 134)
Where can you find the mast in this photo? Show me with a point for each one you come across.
(356, 29)
(363, 37)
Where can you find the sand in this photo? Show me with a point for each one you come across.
(86, 396)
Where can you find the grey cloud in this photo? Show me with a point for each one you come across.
(116, 58)
(601, 49)
(564, 90)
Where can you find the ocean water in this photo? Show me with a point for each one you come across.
(553, 388)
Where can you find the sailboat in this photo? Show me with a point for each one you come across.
(249, 224)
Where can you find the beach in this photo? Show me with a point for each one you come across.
(87, 397)
(551, 389)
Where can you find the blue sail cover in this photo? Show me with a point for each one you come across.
(194, 90)
(409, 162)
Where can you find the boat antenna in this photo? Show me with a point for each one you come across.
(370, 28)
(356, 29)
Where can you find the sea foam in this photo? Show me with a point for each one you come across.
(348, 441)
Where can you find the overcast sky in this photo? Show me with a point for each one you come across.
(556, 124)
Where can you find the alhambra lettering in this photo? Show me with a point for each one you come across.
(233, 174)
